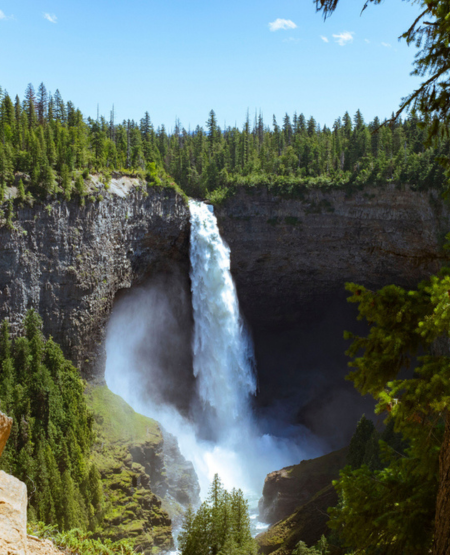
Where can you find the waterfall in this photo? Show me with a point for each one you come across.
(146, 365)
(222, 348)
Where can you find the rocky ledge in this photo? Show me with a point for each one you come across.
(296, 499)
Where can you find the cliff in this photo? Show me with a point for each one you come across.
(296, 499)
(286, 489)
(69, 261)
(287, 251)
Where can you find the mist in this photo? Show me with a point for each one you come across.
(149, 364)
(181, 353)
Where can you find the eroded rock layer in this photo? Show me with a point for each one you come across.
(287, 251)
(69, 261)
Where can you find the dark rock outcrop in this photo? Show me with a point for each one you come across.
(69, 261)
(290, 487)
(307, 524)
(285, 252)
(296, 498)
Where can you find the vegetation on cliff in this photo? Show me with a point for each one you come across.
(47, 148)
(221, 526)
(128, 454)
(88, 459)
(52, 435)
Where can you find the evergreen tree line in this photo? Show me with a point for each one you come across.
(52, 434)
(221, 526)
(51, 143)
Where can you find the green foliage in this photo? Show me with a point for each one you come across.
(80, 187)
(407, 328)
(321, 548)
(52, 435)
(430, 31)
(359, 441)
(77, 542)
(221, 526)
(21, 192)
(210, 163)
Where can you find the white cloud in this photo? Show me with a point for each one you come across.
(4, 16)
(386, 44)
(343, 38)
(282, 24)
(367, 40)
(324, 38)
(291, 39)
(50, 17)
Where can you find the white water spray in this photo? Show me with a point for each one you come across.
(223, 363)
(222, 348)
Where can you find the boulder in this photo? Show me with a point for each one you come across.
(5, 429)
(13, 515)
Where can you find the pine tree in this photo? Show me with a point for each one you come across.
(52, 429)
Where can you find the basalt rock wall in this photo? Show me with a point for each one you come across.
(69, 261)
(287, 251)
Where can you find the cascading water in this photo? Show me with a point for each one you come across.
(223, 356)
(220, 434)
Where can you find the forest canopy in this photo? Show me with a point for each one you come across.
(52, 435)
(47, 147)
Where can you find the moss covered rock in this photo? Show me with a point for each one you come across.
(146, 480)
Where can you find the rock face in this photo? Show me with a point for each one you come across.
(296, 498)
(5, 430)
(148, 483)
(307, 524)
(285, 252)
(288, 488)
(13, 515)
(183, 488)
(69, 261)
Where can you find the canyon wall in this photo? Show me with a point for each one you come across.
(69, 261)
(290, 258)
(287, 251)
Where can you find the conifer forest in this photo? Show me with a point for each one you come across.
(225, 339)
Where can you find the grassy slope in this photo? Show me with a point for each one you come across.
(128, 455)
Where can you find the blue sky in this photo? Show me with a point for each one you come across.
(180, 58)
